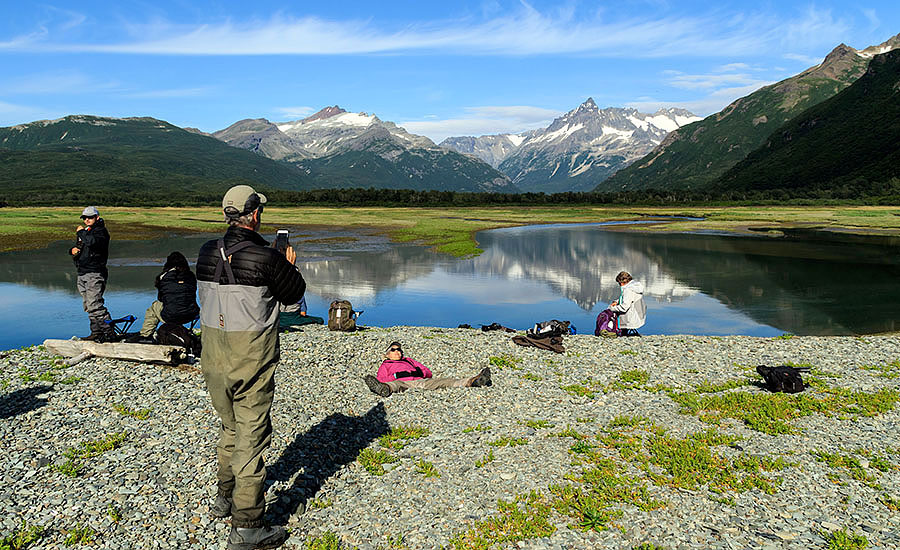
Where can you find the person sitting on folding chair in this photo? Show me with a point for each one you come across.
(176, 301)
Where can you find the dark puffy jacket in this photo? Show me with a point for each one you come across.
(178, 294)
(240, 320)
(93, 243)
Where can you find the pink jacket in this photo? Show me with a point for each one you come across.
(389, 370)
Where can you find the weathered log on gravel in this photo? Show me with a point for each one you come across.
(145, 353)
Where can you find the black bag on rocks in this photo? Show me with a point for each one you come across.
(170, 334)
(548, 329)
(783, 378)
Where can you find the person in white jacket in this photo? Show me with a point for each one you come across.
(630, 306)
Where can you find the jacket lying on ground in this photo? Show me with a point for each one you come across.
(404, 369)
(631, 308)
(242, 318)
(93, 241)
(177, 290)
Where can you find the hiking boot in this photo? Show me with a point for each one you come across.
(379, 388)
(483, 379)
(257, 538)
(221, 508)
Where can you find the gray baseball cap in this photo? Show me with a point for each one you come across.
(90, 212)
(241, 200)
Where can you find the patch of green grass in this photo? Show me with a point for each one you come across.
(426, 468)
(841, 540)
(90, 449)
(478, 428)
(581, 447)
(508, 442)
(785, 336)
(320, 503)
(570, 432)
(532, 377)
(486, 459)
(627, 352)
(580, 390)
(648, 546)
(71, 380)
(400, 436)
(47, 376)
(527, 517)
(630, 421)
(505, 362)
(80, 534)
(537, 424)
(888, 370)
(393, 543)
(114, 513)
(771, 413)
(709, 387)
(892, 503)
(634, 377)
(854, 466)
(140, 414)
(584, 419)
(22, 538)
(604, 487)
(69, 468)
(326, 541)
(373, 461)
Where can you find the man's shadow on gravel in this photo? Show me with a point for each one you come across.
(320, 452)
(22, 401)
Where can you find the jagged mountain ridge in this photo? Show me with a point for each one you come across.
(696, 155)
(847, 142)
(337, 148)
(84, 158)
(578, 150)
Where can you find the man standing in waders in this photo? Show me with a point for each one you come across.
(241, 279)
(90, 253)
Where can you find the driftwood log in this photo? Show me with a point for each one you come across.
(145, 353)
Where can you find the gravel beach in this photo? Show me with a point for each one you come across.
(617, 443)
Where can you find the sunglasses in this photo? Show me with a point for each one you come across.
(395, 349)
(88, 217)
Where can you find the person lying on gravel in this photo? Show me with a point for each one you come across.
(398, 373)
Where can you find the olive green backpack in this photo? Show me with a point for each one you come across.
(341, 316)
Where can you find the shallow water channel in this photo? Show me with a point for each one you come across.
(695, 284)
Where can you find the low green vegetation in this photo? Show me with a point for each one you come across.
(326, 541)
(771, 413)
(525, 518)
(140, 414)
(80, 534)
(709, 387)
(627, 352)
(69, 468)
(114, 513)
(90, 449)
(478, 428)
(842, 540)
(320, 503)
(858, 465)
(22, 538)
(785, 336)
(888, 370)
(486, 459)
(400, 436)
(508, 442)
(505, 362)
(532, 377)
(426, 468)
(373, 461)
(648, 546)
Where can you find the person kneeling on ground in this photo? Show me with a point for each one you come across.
(630, 306)
(176, 301)
(398, 373)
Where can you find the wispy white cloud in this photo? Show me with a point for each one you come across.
(11, 113)
(292, 113)
(477, 121)
(872, 16)
(703, 106)
(526, 31)
(712, 81)
(807, 59)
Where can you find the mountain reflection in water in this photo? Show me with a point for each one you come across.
(695, 284)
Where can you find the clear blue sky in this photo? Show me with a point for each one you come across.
(437, 68)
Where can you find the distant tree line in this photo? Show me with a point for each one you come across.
(857, 191)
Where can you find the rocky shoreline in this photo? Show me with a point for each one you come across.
(660, 440)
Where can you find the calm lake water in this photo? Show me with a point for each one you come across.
(696, 284)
